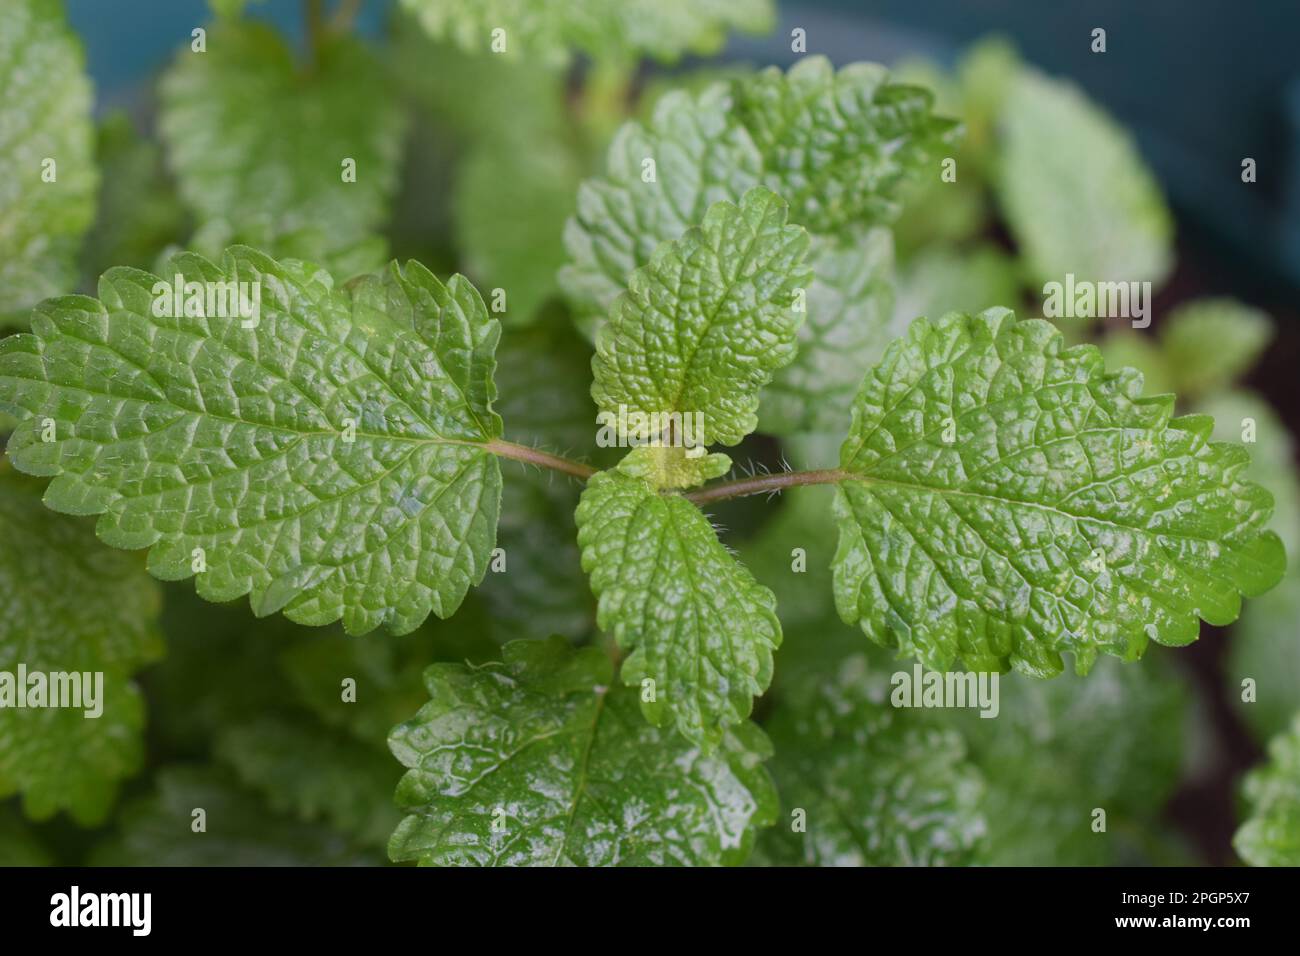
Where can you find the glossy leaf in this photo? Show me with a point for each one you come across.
(190, 433)
(1011, 502)
(540, 761)
(693, 620)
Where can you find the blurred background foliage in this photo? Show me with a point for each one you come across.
(1129, 165)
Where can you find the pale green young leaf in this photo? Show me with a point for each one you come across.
(551, 30)
(1270, 835)
(704, 325)
(1074, 190)
(44, 118)
(258, 144)
(71, 605)
(878, 786)
(1209, 343)
(308, 772)
(661, 177)
(1010, 501)
(329, 461)
(239, 829)
(693, 619)
(847, 326)
(540, 761)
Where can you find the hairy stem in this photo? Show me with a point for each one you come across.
(535, 456)
(757, 485)
(763, 484)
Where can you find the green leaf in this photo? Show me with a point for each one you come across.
(193, 432)
(1265, 644)
(943, 279)
(702, 327)
(1065, 514)
(538, 761)
(1270, 836)
(1116, 740)
(75, 606)
(258, 145)
(510, 209)
(44, 116)
(694, 620)
(704, 151)
(1074, 190)
(848, 324)
(1209, 343)
(158, 829)
(550, 30)
(876, 786)
(1127, 348)
(837, 145)
(313, 774)
(139, 211)
(19, 846)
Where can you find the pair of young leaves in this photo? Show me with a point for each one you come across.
(1063, 513)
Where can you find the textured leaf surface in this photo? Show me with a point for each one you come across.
(550, 30)
(258, 143)
(156, 830)
(1209, 343)
(313, 774)
(1265, 644)
(1075, 191)
(196, 432)
(573, 775)
(692, 617)
(44, 115)
(878, 786)
(836, 145)
(1058, 749)
(1270, 836)
(848, 325)
(704, 151)
(702, 327)
(1066, 514)
(71, 605)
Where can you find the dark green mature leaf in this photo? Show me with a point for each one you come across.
(197, 432)
(1270, 836)
(704, 325)
(539, 761)
(258, 145)
(44, 117)
(1059, 749)
(864, 784)
(694, 620)
(1074, 190)
(1065, 513)
(550, 30)
(19, 846)
(314, 774)
(71, 605)
(240, 830)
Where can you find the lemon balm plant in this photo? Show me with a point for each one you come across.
(323, 439)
